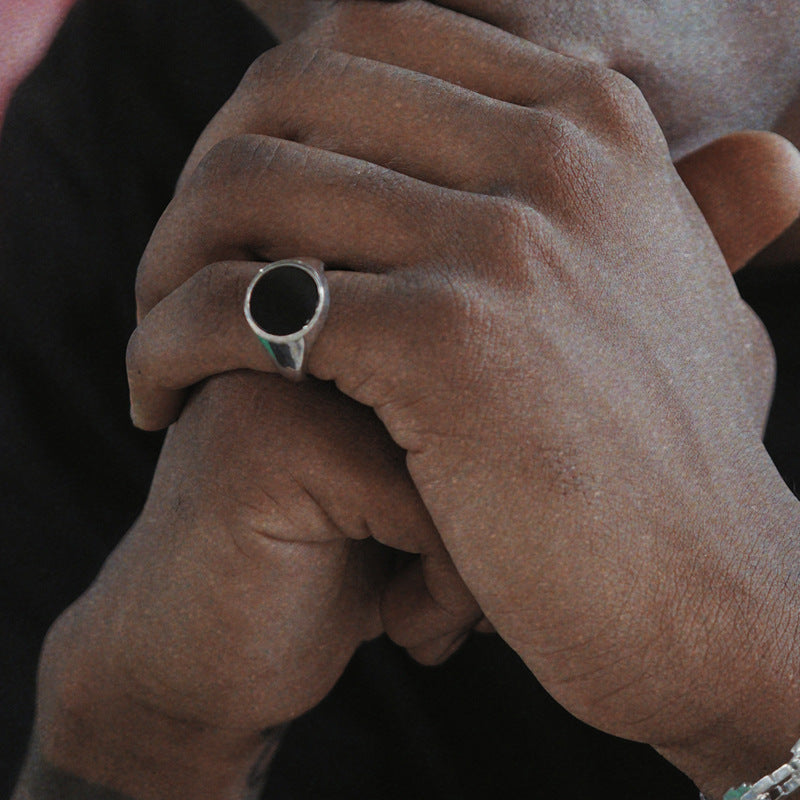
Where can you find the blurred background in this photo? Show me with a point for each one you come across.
(26, 29)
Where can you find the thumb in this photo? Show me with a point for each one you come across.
(747, 185)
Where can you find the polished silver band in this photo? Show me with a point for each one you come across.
(286, 305)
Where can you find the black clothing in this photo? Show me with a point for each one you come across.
(93, 144)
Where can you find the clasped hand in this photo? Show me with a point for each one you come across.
(546, 385)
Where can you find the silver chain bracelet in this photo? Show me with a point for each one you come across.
(781, 783)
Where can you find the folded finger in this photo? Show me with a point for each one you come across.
(409, 292)
(441, 47)
(260, 198)
(459, 48)
(195, 332)
(200, 330)
(427, 609)
(416, 124)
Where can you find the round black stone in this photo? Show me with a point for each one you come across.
(284, 300)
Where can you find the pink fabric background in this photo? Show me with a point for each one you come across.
(26, 28)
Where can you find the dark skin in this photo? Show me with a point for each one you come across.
(633, 475)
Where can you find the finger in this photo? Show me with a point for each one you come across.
(358, 488)
(284, 479)
(200, 330)
(415, 36)
(747, 185)
(375, 318)
(414, 123)
(427, 608)
(332, 466)
(465, 50)
(282, 199)
(194, 333)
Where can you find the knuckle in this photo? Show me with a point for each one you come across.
(757, 365)
(235, 173)
(144, 362)
(287, 63)
(229, 161)
(567, 145)
(508, 217)
(618, 104)
(528, 133)
(290, 82)
(276, 82)
(449, 300)
(300, 58)
(508, 226)
(154, 271)
(612, 91)
(758, 344)
(572, 154)
(514, 238)
(263, 68)
(559, 158)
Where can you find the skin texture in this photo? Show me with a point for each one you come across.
(693, 62)
(496, 217)
(243, 590)
(707, 68)
(581, 467)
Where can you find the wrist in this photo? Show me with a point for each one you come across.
(92, 727)
(747, 709)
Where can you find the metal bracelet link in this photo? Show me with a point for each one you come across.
(781, 783)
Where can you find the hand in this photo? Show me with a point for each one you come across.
(746, 184)
(584, 395)
(241, 593)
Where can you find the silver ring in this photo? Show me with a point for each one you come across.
(286, 305)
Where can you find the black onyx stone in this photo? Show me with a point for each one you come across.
(284, 300)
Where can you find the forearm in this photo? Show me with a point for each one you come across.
(95, 738)
(41, 780)
(750, 699)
